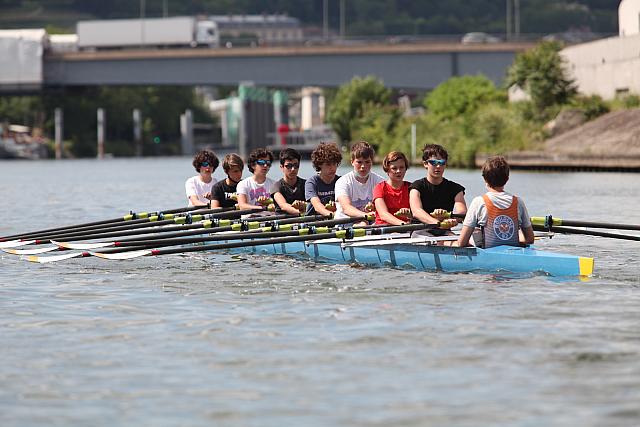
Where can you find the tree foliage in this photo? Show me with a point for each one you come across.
(542, 74)
(462, 95)
(349, 103)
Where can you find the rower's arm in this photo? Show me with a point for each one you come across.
(319, 207)
(465, 235)
(459, 205)
(282, 203)
(384, 214)
(195, 201)
(348, 209)
(243, 203)
(528, 236)
(416, 208)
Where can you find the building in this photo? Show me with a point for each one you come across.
(629, 18)
(609, 67)
(262, 29)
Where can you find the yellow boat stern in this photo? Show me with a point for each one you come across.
(586, 266)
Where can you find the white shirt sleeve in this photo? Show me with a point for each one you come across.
(243, 187)
(341, 186)
(190, 187)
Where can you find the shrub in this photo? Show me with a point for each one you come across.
(462, 95)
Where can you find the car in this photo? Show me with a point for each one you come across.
(478, 37)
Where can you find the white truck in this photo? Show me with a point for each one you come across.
(181, 31)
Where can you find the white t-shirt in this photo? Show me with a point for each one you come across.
(195, 187)
(477, 213)
(360, 194)
(250, 188)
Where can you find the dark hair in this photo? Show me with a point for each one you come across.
(231, 160)
(362, 150)
(434, 150)
(495, 171)
(325, 152)
(258, 153)
(392, 157)
(205, 156)
(289, 154)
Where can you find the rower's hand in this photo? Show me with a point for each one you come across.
(300, 205)
(264, 201)
(369, 207)
(440, 214)
(207, 195)
(330, 206)
(403, 214)
(448, 223)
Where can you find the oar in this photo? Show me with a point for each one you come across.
(304, 236)
(212, 225)
(124, 246)
(550, 221)
(114, 226)
(277, 230)
(129, 217)
(568, 230)
(129, 229)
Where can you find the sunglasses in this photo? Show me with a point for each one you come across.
(204, 164)
(263, 162)
(292, 166)
(437, 162)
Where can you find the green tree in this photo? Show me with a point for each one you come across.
(462, 95)
(542, 74)
(349, 103)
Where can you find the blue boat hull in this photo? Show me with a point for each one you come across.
(442, 258)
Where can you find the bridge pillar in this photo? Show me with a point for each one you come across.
(137, 131)
(101, 133)
(186, 133)
(58, 118)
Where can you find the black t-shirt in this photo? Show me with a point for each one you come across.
(291, 193)
(440, 196)
(223, 193)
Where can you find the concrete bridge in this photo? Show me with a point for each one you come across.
(406, 66)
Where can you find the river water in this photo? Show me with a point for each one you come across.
(213, 339)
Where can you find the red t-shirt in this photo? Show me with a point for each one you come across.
(394, 199)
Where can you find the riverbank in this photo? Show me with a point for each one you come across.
(608, 143)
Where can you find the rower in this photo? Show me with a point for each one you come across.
(319, 190)
(354, 191)
(433, 197)
(289, 191)
(198, 188)
(255, 192)
(500, 215)
(223, 193)
(391, 197)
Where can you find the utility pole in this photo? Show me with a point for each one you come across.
(342, 21)
(508, 23)
(142, 11)
(325, 20)
(517, 18)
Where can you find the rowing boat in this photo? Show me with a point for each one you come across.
(422, 252)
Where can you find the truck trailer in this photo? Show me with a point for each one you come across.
(180, 31)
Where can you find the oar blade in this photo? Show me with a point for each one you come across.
(34, 251)
(15, 243)
(54, 258)
(83, 246)
(122, 255)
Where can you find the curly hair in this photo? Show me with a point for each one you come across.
(231, 160)
(434, 150)
(325, 152)
(205, 156)
(495, 171)
(362, 150)
(258, 153)
(392, 157)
